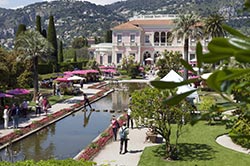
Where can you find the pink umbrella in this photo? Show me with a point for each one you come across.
(5, 95)
(62, 79)
(18, 91)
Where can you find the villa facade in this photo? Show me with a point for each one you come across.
(145, 38)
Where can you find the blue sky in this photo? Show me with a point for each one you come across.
(13, 4)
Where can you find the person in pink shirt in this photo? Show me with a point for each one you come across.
(115, 126)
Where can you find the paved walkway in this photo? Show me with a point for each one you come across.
(227, 142)
(110, 153)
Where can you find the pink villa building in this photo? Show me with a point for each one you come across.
(145, 38)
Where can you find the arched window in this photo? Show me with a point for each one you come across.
(156, 37)
(146, 55)
(156, 56)
(163, 37)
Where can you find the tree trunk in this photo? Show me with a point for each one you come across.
(186, 44)
(35, 68)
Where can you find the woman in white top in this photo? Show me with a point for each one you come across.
(6, 116)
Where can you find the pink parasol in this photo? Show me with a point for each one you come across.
(62, 79)
(5, 95)
(18, 91)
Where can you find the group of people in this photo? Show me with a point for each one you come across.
(42, 104)
(123, 133)
(14, 112)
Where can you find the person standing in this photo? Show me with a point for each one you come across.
(123, 132)
(6, 112)
(15, 112)
(38, 106)
(115, 126)
(129, 118)
(45, 104)
(24, 108)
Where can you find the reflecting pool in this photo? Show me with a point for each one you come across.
(67, 137)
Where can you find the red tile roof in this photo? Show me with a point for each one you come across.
(135, 24)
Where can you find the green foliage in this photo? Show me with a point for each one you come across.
(38, 24)
(134, 70)
(207, 102)
(21, 28)
(54, 162)
(233, 54)
(150, 109)
(45, 68)
(105, 134)
(240, 132)
(186, 27)
(79, 42)
(60, 52)
(32, 45)
(53, 40)
(75, 57)
(25, 79)
(108, 36)
(169, 61)
(93, 145)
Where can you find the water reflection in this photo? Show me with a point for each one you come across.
(86, 118)
(69, 136)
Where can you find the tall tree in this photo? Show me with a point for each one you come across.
(44, 33)
(21, 28)
(75, 56)
(79, 42)
(213, 26)
(38, 24)
(108, 36)
(60, 51)
(53, 40)
(149, 109)
(186, 26)
(32, 45)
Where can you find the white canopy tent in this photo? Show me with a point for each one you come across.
(73, 78)
(172, 76)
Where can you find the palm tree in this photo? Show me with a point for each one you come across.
(213, 26)
(186, 26)
(32, 46)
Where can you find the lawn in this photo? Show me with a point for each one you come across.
(197, 148)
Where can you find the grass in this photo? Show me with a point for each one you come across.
(197, 148)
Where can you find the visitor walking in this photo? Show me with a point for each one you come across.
(115, 126)
(15, 113)
(123, 132)
(86, 100)
(6, 112)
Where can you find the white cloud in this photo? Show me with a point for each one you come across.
(3, 2)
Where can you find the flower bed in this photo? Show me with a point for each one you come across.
(103, 139)
(36, 124)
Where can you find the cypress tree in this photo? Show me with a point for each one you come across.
(60, 52)
(21, 28)
(75, 57)
(53, 40)
(44, 33)
(38, 24)
(108, 36)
